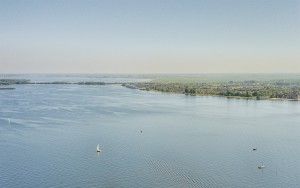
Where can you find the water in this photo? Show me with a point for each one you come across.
(108, 78)
(186, 141)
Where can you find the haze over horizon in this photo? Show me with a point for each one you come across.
(150, 36)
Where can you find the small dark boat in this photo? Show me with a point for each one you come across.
(7, 88)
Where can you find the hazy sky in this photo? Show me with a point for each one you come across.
(196, 36)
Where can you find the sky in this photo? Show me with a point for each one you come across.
(139, 36)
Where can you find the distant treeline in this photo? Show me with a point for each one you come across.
(249, 89)
(23, 81)
(13, 81)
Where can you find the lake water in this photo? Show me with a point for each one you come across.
(49, 134)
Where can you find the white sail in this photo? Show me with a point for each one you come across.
(98, 148)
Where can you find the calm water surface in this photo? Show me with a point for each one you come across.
(49, 133)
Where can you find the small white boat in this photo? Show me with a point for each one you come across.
(98, 148)
(261, 166)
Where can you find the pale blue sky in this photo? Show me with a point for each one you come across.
(199, 36)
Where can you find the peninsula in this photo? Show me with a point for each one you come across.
(250, 86)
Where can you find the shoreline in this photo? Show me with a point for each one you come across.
(7, 82)
(221, 96)
(247, 89)
(166, 88)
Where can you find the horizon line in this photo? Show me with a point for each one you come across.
(154, 73)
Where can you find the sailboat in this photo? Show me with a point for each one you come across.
(261, 166)
(98, 148)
